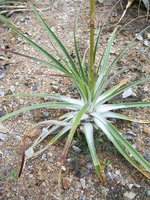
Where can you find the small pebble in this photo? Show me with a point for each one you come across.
(129, 195)
(2, 113)
(148, 193)
(85, 174)
(139, 37)
(45, 114)
(76, 149)
(87, 158)
(67, 182)
(34, 87)
(147, 43)
(146, 155)
(82, 197)
(89, 165)
(82, 181)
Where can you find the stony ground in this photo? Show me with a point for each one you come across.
(39, 179)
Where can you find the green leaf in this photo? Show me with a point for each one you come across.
(52, 141)
(78, 56)
(123, 146)
(75, 124)
(122, 89)
(73, 129)
(108, 107)
(52, 105)
(33, 44)
(88, 131)
(110, 92)
(123, 117)
(58, 42)
(104, 63)
(49, 96)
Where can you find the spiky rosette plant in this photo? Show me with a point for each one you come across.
(92, 109)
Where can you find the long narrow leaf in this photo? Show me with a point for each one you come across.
(104, 62)
(70, 136)
(78, 56)
(111, 91)
(122, 145)
(37, 60)
(49, 96)
(122, 89)
(109, 107)
(58, 42)
(123, 117)
(31, 42)
(88, 131)
(52, 105)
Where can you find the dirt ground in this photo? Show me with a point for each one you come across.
(19, 75)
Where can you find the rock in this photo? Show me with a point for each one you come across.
(146, 155)
(82, 181)
(21, 198)
(1, 93)
(67, 182)
(34, 87)
(29, 152)
(12, 89)
(33, 133)
(3, 137)
(63, 168)
(71, 88)
(139, 37)
(113, 50)
(89, 165)
(143, 57)
(77, 185)
(76, 149)
(45, 114)
(104, 191)
(41, 176)
(82, 197)
(30, 176)
(148, 193)
(129, 195)
(2, 113)
(87, 158)
(133, 186)
(147, 130)
(18, 138)
(128, 93)
(85, 173)
(147, 43)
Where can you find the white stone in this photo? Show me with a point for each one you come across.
(129, 195)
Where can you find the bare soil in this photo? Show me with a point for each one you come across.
(39, 178)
